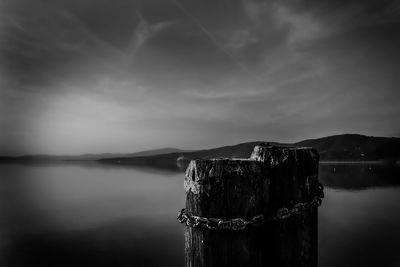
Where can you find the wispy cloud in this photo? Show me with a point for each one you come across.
(216, 42)
(230, 95)
(302, 28)
(255, 10)
(81, 29)
(240, 38)
(145, 31)
(185, 73)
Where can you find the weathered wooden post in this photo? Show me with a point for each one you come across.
(295, 195)
(260, 211)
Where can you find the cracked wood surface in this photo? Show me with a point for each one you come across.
(272, 178)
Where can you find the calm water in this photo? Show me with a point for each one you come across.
(70, 214)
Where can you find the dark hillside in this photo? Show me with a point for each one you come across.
(347, 147)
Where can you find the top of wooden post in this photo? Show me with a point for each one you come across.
(228, 188)
(200, 170)
(225, 188)
(275, 155)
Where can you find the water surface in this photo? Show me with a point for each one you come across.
(89, 214)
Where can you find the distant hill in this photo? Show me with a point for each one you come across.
(159, 151)
(236, 151)
(355, 147)
(92, 156)
(347, 147)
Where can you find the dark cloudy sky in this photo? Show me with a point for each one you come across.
(121, 76)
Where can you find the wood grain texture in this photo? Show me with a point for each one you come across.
(225, 189)
(272, 178)
(293, 176)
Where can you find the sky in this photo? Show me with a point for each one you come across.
(92, 76)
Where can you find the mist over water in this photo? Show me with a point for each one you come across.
(89, 214)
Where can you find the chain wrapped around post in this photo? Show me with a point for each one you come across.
(257, 220)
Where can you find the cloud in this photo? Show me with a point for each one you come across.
(43, 44)
(240, 38)
(144, 31)
(230, 95)
(254, 9)
(155, 73)
(302, 28)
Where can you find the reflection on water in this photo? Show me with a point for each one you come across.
(359, 176)
(88, 214)
(360, 228)
(358, 220)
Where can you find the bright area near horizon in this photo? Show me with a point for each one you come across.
(123, 76)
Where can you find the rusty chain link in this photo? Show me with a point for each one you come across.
(258, 220)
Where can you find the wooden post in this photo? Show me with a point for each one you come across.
(293, 176)
(273, 178)
(224, 188)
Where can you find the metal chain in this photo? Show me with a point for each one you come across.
(258, 220)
